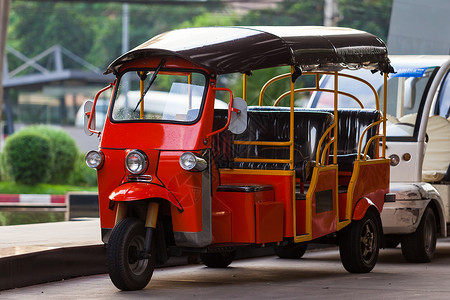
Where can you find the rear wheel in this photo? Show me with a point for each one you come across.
(291, 250)
(128, 269)
(359, 243)
(217, 259)
(420, 246)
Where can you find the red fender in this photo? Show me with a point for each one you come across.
(132, 191)
(361, 208)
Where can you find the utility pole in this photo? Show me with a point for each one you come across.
(4, 17)
(331, 13)
(125, 44)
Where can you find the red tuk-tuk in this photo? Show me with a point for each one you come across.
(183, 169)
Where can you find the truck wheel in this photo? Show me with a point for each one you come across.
(127, 269)
(217, 259)
(419, 246)
(359, 243)
(291, 250)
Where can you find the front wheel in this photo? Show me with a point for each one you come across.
(359, 243)
(419, 246)
(217, 259)
(128, 269)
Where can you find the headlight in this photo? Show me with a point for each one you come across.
(191, 162)
(94, 159)
(394, 160)
(136, 162)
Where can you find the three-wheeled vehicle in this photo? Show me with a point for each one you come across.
(177, 173)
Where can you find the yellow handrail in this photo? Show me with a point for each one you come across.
(262, 143)
(366, 148)
(263, 160)
(305, 90)
(326, 133)
(263, 89)
(361, 137)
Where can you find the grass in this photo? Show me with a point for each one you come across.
(42, 188)
(20, 218)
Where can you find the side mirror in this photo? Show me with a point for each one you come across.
(238, 118)
(87, 108)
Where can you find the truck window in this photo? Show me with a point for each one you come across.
(443, 107)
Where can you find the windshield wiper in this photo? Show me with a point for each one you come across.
(151, 82)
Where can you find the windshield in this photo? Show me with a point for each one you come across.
(167, 96)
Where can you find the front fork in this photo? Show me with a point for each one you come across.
(150, 224)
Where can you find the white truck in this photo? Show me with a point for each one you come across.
(418, 145)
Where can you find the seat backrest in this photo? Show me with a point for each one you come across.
(273, 124)
(351, 123)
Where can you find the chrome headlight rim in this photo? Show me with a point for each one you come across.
(94, 159)
(192, 162)
(142, 162)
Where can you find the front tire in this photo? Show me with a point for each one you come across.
(359, 243)
(127, 270)
(419, 247)
(217, 259)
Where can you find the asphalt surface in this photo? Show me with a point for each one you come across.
(55, 251)
(318, 275)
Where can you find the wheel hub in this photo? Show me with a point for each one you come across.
(367, 242)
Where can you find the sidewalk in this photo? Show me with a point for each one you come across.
(38, 253)
(23, 239)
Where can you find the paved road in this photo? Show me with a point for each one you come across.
(319, 275)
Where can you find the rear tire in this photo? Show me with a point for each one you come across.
(127, 270)
(419, 247)
(217, 259)
(359, 243)
(291, 250)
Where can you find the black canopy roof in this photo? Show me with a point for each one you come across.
(243, 49)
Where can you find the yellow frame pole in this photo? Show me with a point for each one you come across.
(383, 151)
(141, 88)
(244, 87)
(336, 77)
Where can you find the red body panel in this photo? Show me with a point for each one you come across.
(133, 191)
(269, 222)
(283, 188)
(248, 214)
(371, 180)
(186, 187)
(361, 208)
(324, 216)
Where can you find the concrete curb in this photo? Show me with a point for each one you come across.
(51, 265)
(69, 262)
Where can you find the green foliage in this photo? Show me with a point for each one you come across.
(370, 15)
(96, 28)
(41, 188)
(39, 154)
(18, 218)
(82, 175)
(63, 151)
(27, 156)
(288, 13)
